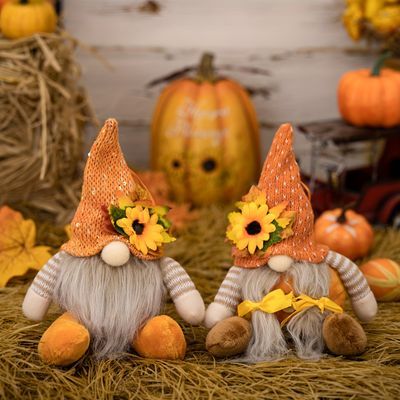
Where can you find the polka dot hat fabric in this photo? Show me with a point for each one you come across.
(106, 177)
(280, 180)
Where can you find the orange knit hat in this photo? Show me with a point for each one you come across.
(280, 181)
(107, 178)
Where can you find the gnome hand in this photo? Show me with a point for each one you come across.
(34, 306)
(190, 306)
(365, 308)
(215, 313)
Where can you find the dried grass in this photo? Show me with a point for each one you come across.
(374, 375)
(42, 113)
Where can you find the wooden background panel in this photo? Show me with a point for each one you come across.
(301, 43)
(234, 24)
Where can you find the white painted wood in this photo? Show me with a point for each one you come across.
(207, 24)
(301, 43)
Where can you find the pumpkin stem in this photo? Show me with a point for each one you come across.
(206, 70)
(376, 70)
(23, 1)
(342, 217)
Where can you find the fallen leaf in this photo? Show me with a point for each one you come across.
(18, 252)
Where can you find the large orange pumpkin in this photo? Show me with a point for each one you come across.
(337, 292)
(344, 231)
(370, 98)
(383, 276)
(205, 137)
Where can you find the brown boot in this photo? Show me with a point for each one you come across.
(229, 337)
(343, 335)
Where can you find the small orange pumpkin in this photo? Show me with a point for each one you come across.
(205, 138)
(344, 231)
(370, 98)
(383, 276)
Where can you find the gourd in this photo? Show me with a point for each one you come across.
(383, 276)
(205, 137)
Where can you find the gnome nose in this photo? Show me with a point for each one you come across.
(280, 263)
(115, 253)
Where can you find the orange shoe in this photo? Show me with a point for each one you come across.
(64, 342)
(161, 338)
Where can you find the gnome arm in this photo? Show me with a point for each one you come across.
(188, 301)
(362, 299)
(227, 299)
(39, 295)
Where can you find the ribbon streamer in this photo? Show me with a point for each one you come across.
(277, 300)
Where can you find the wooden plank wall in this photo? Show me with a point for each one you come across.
(300, 42)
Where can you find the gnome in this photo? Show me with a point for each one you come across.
(110, 278)
(279, 284)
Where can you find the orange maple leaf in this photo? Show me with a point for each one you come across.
(18, 252)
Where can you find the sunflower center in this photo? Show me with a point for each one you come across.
(137, 227)
(253, 228)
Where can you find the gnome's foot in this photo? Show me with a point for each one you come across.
(229, 337)
(64, 342)
(343, 335)
(161, 338)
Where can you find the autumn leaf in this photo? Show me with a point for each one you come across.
(18, 252)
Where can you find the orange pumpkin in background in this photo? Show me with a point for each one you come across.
(383, 276)
(370, 98)
(205, 137)
(344, 231)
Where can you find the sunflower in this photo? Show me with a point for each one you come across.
(251, 227)
(256, 226)
(142, 229)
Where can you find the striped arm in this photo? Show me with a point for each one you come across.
(230, 292)
(351, 276)
(175, 278)
(45, 280)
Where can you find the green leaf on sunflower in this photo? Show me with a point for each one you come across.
(160, 210)
(116, 213)
(274, 238)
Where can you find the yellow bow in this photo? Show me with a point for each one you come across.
(273, 302)
(277, 300)
(303, 301)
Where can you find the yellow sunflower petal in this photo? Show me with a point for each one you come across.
(255, 195)
(242, 244)
(283, 222)
(154, 219)
(142, 246)
(125, 201)
(252, 246)
(151, 244)
(234, 217)
(269, 228)
(167, 238)
(278, 209)
(126, 225)
(260, 242)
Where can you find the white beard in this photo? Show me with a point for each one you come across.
(113, 303)
(268, 340)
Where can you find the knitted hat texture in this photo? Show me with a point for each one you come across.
(106, 178)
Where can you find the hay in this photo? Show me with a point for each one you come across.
(42, 115)
(374, 375)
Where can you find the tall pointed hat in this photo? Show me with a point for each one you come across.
(276, 217)
(107, 179)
